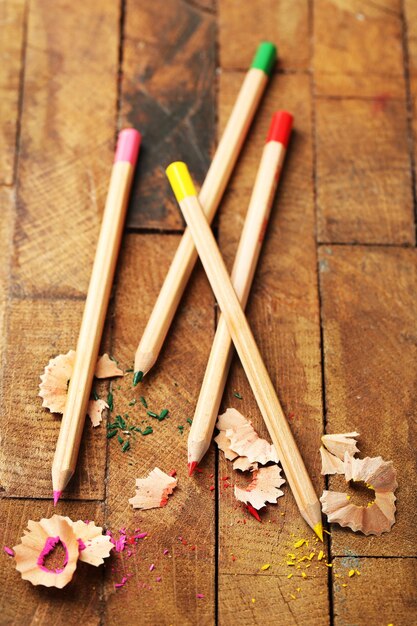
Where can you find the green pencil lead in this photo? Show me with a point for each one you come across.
(137, 378)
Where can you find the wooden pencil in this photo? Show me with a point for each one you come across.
(246, 347)
(211, 192)
(95, 309)
(242, 275)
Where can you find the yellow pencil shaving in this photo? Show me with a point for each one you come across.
(290, 563)
(351, 573)
(266, 566)
(358, 573)
(290, 575)
(303, 558)
(321, 555)
(293, 596)
(298, 589)
(303, 574)
(329, 564)
(308, 565)
(290, 556)
(311, 556)
(253, 600)
(300, 543)
(344, 585)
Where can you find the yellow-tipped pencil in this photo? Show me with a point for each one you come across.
(246, 347)
(95, 309)
(211, 192)
(242, 275)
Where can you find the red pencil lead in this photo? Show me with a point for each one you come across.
(191, 467)
(57, 495)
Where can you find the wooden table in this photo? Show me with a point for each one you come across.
(333, 307)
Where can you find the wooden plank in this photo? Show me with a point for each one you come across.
(384, 593)
(380, 89)
(12, 25)
(67, 141)
(173, 384)
(266, 599)
(7, 203)
(22, 603)
(168, 94)
(410, 17)
(368, 314)
(352, 37)
(38, 330)
(243, 25)
(364, 189)
(283, 313)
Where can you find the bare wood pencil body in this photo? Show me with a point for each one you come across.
(210, 195)
(247, 256)
(92, 324)
(246, 348)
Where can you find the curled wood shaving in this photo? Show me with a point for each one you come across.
(341, 443)
(378, 516)
(55, 379)
(95, 546)
(263, 488)
(107, 368)
(244, 440)
(152, 492)
(243, 464)
(223, 443)
(330, 464)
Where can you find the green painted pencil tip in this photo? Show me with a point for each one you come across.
(137, 378)
(265, 57)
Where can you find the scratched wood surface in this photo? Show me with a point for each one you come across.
(333, 304)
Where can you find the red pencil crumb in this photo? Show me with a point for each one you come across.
(212, 487)
(253, 512)
(224, 478)
(211, 475)
(166, 551)
(8, 551)
(200, 595)
(233, 557)
(152, 567)
(173, 473)
(121, 583)
(199, 470)
(193, 547)
(158, 579)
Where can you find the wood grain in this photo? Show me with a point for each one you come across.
(364, 190)
(369, 312)
(173, 384)
(38, 330)
(243, 25)
(12, 14)
(352, 37)
(384, 593)
(168, 94)
(7, 203)
(266, 599)
(283, 313)
(66, 144)
(24, 604)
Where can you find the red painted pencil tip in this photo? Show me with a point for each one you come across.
(280, 128)
(57, 495)
(191, 467)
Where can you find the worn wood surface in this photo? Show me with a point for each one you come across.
(333, 303)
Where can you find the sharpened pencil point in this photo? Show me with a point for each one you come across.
(318, 529)
(191, 467)
(57, 495)
(137, 378)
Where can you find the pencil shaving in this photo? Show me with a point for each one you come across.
(56, 377)
(94, 546)
(152, 492)
(79, 540)
(378, 516)
(243, 464)
(244, 440)
(330, 464)
(263, 488)
(39, 541)
(223, 443)
(341, 443)
(107, 368)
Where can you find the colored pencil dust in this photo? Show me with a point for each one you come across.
(210, 195)
(98, 295)
(242, 275)
(246, 347)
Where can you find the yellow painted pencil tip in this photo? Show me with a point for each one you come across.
(180, 180)
(318, 529)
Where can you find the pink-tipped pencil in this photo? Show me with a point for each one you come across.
(95, 309)
(243, 271)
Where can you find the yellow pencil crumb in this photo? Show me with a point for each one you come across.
(290, 563)
(320, 555)
(290, 575)
(253, 600)
(303, 574)
(329, 564)
(308, 565)
(265, 566)
(344, 585)
(311, 556)
(357, 572)
(298, 589)
(351, 573)
(300, 543)
(293, 596)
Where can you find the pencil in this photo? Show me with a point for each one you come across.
(66, 453)
(211, 192)
(242, 276)
(246, 347)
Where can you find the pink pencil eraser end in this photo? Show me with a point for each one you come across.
(280, 128)
(128, 144)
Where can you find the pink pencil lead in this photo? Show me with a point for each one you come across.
(57, 495)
